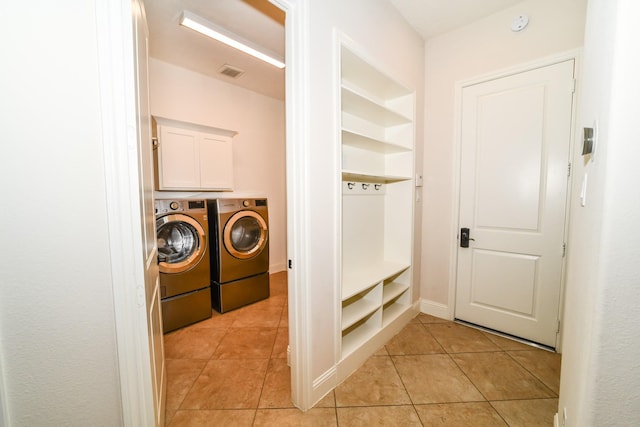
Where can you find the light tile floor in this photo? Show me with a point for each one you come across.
(231, 370)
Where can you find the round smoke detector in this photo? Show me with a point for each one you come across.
(520, 23)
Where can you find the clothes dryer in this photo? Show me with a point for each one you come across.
(239, 232)
(182, 229)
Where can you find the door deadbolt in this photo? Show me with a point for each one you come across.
(464, 238)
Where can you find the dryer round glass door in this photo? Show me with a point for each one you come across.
(245, 234)
(181, 243)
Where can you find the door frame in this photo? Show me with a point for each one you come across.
(574, 54)
(115, 41)
(298, 139)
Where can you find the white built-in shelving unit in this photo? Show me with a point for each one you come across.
(377, 130)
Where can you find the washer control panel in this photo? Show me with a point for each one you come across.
(169, 206)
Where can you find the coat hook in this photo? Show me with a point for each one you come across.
(365, 185)
(377, 186)
(350, 185)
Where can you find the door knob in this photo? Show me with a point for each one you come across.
(464, 238)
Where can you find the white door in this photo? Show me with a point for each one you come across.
(145, 186)
(515, 141)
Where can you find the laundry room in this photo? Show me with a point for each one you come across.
(198, 86)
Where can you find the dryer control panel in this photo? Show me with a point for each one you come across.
(232, 205)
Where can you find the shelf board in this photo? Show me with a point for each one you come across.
(357, 311)
(357, 337)
(376, 179)
(358, 281)
(359, 140)
(369, 109)
(392, 290)
(369, 77)
(392, 312)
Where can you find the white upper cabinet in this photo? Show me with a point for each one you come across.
(216, 162)
(193, 157)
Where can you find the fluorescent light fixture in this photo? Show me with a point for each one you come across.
(209, 29)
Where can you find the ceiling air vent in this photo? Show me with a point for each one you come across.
(230, 71)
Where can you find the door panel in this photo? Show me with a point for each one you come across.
(509, 169)
(493, 275)
(515, 138)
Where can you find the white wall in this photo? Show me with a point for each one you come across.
(387, 40)
(57, 333)
(258, 148)
(483, 47)
(600, 384)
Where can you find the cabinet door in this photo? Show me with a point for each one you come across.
(216, 165)
(178, 159)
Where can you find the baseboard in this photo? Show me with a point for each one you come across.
(324, 384)
(278, 267)
(436, 309)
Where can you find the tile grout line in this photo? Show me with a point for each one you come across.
(474, 384)
(264, 380)
(556, 395)
(413, 404)
(201, 371)
(404, 386)
(458, 366)
(179, 408)
(476, 387)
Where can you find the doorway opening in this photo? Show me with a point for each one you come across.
(283, 207)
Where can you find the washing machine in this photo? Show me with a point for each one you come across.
(182, 229)
(239, 232)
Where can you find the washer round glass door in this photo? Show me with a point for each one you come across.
(181, 243)
(245, 234)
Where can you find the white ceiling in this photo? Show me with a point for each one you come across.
(434, 17)
(170, 42)
(261, 23)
